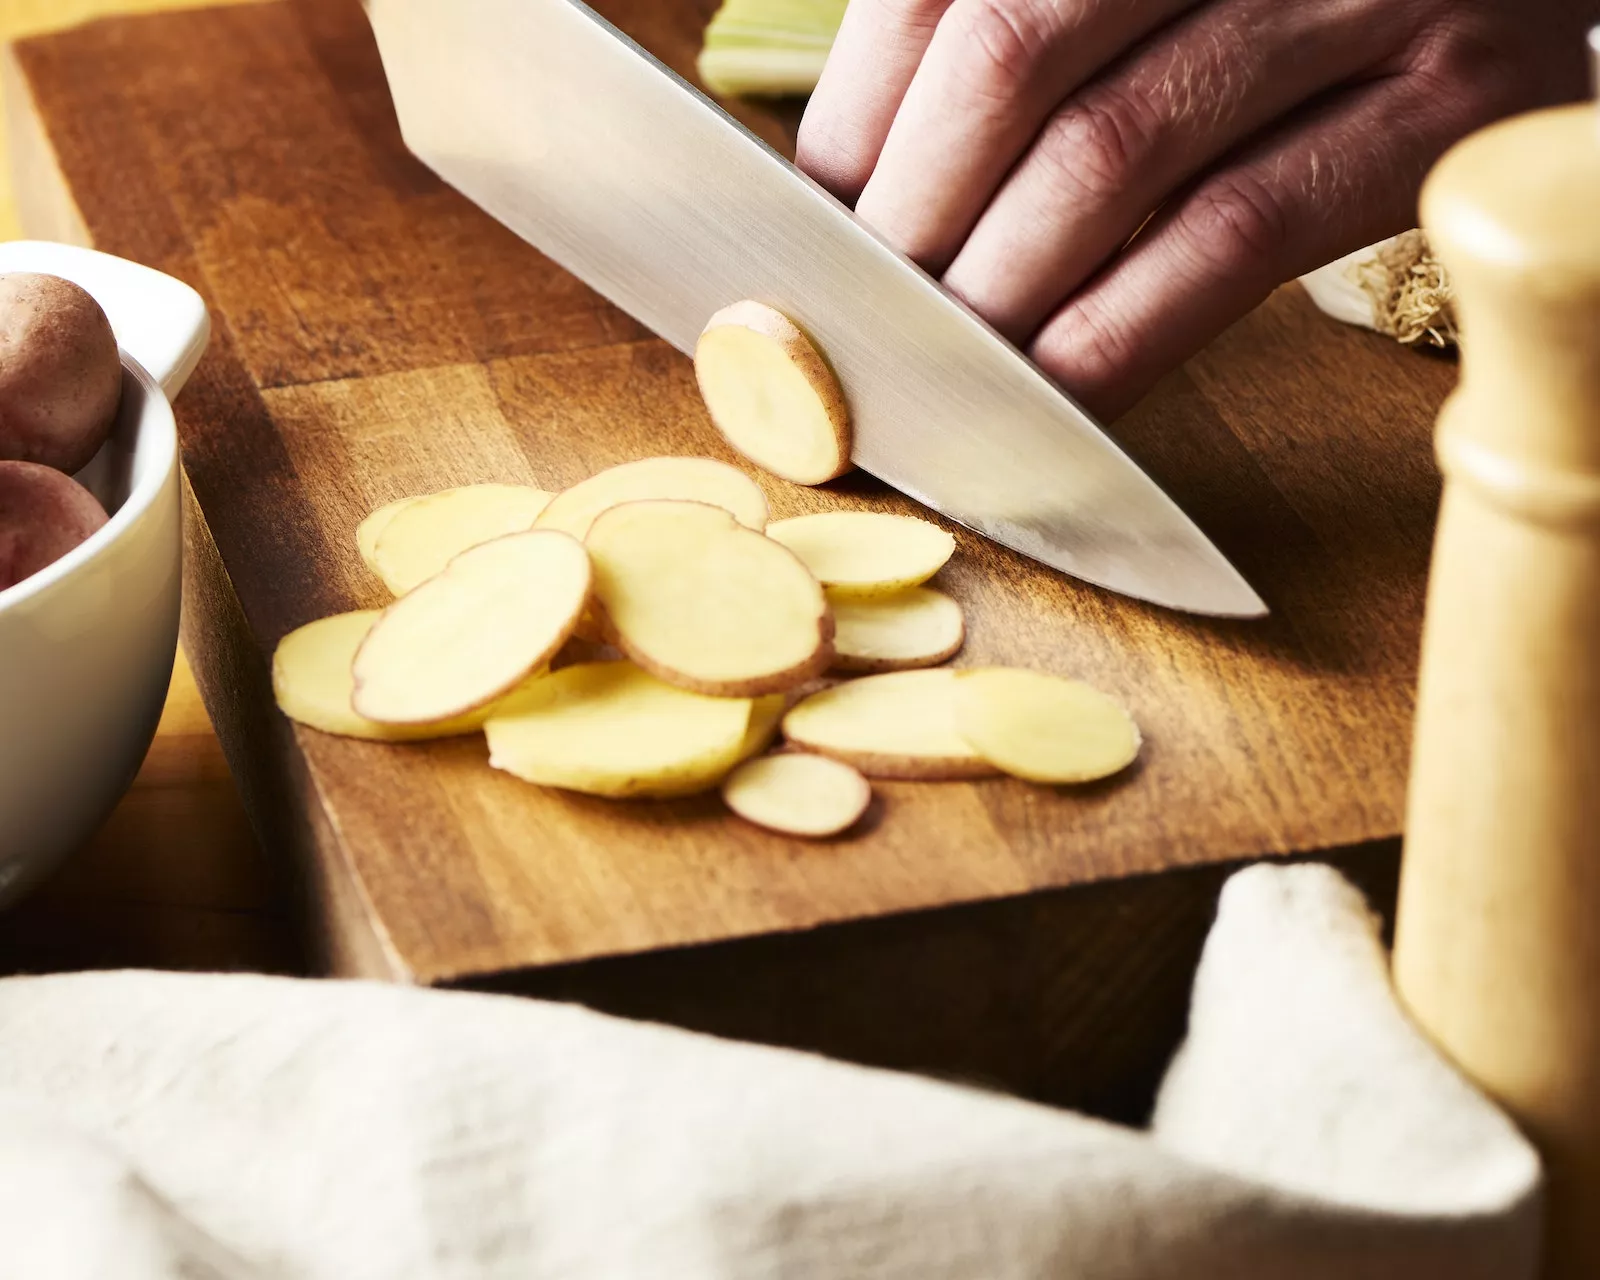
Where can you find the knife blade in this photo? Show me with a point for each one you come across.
(564, 129)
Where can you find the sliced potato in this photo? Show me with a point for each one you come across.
(918, 627)
(686, 479)
(772, 395)
(312, 683)
(766, 714)
(465, 637)
(899, 725)
(612, 729)
(701, 601)
(368, 530)
(1044, 728)
(866, 553)
(428, 532)
(798, 795)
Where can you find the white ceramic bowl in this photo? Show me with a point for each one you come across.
(87, 644)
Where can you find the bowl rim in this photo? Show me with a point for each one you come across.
(158, 430)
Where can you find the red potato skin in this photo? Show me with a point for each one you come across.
(60, 372)
(43, 515)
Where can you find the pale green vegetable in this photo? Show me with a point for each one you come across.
(769, 48)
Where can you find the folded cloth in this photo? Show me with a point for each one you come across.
(159, 1125)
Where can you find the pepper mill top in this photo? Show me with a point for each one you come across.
(1514, 213)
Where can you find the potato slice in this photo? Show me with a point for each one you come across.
(686, 479)
(772, 395)
(766, 714)
(428, 532)
(368, 530)
(312, 683)
(798, 795)
(1044, 728)
(465, 637)
(900, 725)
(612, 729)
(918, 627)
(866, 553)
(700, 601)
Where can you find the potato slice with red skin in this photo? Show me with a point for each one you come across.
(798, 794)
(918, 627)
(682, 479)
(428, 532)
(1044, 728)
(468, 635)
(43, 515)
(702, 602)
(865, 553)
(772, 395)
(312, 684)
(612, 729)
(899, 725)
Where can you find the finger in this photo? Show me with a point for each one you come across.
(873, 59)
(1116, 150)
(991, 75)
(1343, 175)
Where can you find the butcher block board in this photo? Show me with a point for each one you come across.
(377, 335)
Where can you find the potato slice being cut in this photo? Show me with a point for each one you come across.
(428, 532)
(1044, 728)
(465, 637)
(772, 395)
(699, 600)
(798, 795)
(368, 530)
(918, 627)
(686, 479)
(866, 553)
(312, 683)
(899, 725)
(612, 729)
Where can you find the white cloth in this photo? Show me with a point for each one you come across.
(158, 1125)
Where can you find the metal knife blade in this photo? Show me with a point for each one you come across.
(577, 139)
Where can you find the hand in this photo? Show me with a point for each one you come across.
(1112, 182)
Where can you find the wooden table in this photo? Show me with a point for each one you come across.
(377, 335)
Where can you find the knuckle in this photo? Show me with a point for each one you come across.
(1086, 349)
(1002, 44)
(1236, 223)
(1094, 147)
(1471, 70)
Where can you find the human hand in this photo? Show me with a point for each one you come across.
(1112, 182)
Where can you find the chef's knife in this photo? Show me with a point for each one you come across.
(565, 130)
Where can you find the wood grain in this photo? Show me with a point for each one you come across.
(377, 334)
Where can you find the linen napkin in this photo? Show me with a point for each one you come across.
(159, 1125)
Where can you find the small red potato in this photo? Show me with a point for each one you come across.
(43, 515)
(60, 374)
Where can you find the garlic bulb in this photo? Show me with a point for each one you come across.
(1396, 287)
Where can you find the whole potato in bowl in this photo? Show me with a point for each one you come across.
(43, 515)
(60, 373)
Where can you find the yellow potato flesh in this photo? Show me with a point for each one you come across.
(798, 795)
(866, 553)
(918, 627)
(699, 600)
(766, 714)
(899, 725)
(1044, 728)
(465, 637)
(771, 395)
(368, 530)
(426, 533)
(612, 729)
(312, 683)
(684, 479)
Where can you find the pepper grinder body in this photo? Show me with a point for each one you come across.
(1497, 951)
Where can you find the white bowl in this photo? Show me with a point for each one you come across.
(87, 644)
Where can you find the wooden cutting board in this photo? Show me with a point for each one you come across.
(377, 335)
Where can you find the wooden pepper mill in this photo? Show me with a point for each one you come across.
(1497, 950)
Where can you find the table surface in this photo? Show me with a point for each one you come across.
(175, 878)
